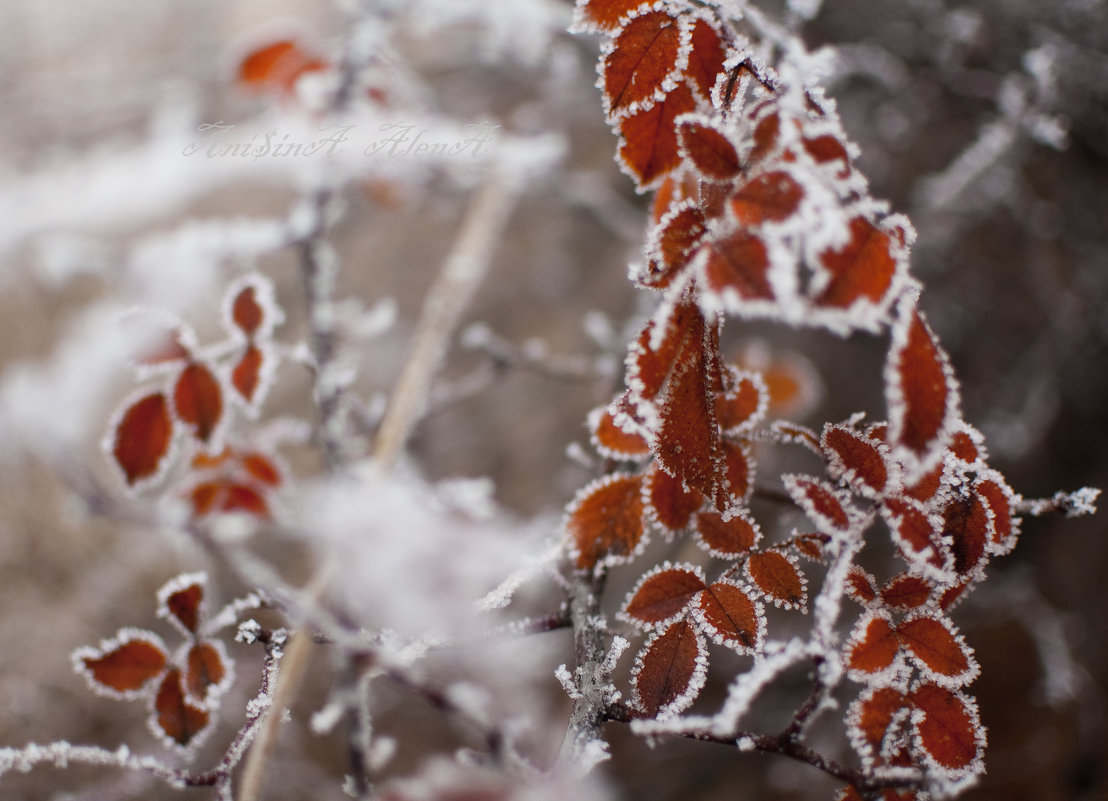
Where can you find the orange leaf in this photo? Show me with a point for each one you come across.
(262, 468)
(643, 56)
(912, 530)
(607, 14)
(672, 243)
(819, 500)
(771, 197)
(182, 602)
(244, 498)
(125, 666)
(872, 715)
(669, 671)
(670, 504)
(605, 520)
(706, 57)
(828, 148)
(934, 644)
(860, 586)
(997, 497)
(246, 374)
(178, 719)
(277, 65)
(966, 528)
(649, 145)
(765, 135)
(731, 616)
(663, 594)
(742, 404)
(858, 459)
(739, 263)
(778, 577)
(709, 149)
(920, 390)
(863, 269)
(727, 539)
(905, 591)
(142, 437)
(198, 400)
(246, 312)
(204, 669)
(949, 733)
(873, 646)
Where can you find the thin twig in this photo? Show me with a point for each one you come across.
(461, 274)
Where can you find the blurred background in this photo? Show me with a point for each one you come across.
(986, 123)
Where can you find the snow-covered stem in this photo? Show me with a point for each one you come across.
(592, 699)
(461, 274)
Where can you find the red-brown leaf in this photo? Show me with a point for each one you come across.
(819, 501)
(204, 668)
(777, 577)
(184, 605)
(606, 519)
(949, 732)
(739, 469)
(727, 539)
(731, 615)
(855, 457)
(966, 527)
(679, 232)
(277, 65)
(863, 269)
(643, 55)
(872, 715)
(997, 498)
(671, 505)
(920, 390)
(244, 498)
(912, 530)
(873, 646)
(613, 440)
(662, 595)
(607, 14)
(668, 673)
(739, 263)
(143, 436)
(262, 468)
(771, 197)
(935, 644)
(198, 399)
(860, 586)
(706, 57)
(649, 146)
(246, 312)
(905, 591)
(180, 720)
(709, 149)
(246, 374)
(742, 404)
(128, 667)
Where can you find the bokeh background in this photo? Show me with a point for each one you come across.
(986, 123)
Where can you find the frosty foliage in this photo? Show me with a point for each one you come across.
(265, 406)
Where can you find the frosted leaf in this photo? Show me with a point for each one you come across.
(124, 667)
(940, 652)
(139, 440)
(871, 653)
(778, 578)
(662, 595)
(605, 521)
(670, 670)
(181, 601)
(175, 720)
(826, 506)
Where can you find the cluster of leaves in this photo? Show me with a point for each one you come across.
(760, 213)
(182, 688)
(187, 397)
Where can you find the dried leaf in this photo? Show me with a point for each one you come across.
(731, 617)
(607, 14)
(605, 520)
(706, 56)
(771, 197)
(905, 591)
(709, 149)
(863, 269)
(856, 459)
(125, 666)
(642, 57)
(935, 644)
(181, 721)
(181, 601)
(668, 502)
(649, 140)
(198, 399)
(873, 646)
(737, 268)
(729, 538)
(662, 594)
(142, 438)
(669, 671)
(948, 731)
(778, 577)
(205, 670)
